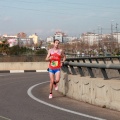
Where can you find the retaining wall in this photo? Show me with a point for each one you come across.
(103, 93)
(23, 65)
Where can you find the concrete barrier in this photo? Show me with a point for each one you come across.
(23, 65)
(96, 91)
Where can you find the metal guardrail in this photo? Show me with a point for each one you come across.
(70, 66)
(91, 59)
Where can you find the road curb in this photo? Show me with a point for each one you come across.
(21, 71)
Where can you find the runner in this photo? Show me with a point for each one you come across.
(56, 57)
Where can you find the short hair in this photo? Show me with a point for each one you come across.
(56, 40)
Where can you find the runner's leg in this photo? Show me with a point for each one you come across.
(57, 76)
(51, 81)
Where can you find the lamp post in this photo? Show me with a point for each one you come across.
(98, 38)
(112, 41)
(112, 29)
(117, 35)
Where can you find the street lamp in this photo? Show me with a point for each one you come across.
(117, 34)
(112, 40)
(112, 29)
(99, 35)
(98, 38)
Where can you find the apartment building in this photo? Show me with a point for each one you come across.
(35, 38)
(59, 35)
(9, 36)
(49, 39)
(116, 35)
(90, 38)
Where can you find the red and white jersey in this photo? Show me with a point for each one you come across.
(55, 59)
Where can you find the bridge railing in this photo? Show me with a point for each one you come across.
(97, 59)
(70, 68)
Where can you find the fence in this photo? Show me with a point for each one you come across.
(76, 84)
(72, 67)
(97, 59)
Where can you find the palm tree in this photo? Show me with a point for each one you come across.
(4, 47)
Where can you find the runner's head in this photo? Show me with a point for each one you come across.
(56, 43)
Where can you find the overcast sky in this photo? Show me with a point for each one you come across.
(45, 17)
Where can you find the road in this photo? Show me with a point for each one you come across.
(24, 96)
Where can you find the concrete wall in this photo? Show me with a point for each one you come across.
(23, 65)
(103, 93)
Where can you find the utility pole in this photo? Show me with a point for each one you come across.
(101, 33)
(111, 42)
(98, 38)
(111, 31)
(117, 34)
(101, 37)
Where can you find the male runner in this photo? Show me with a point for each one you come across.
(56, 57)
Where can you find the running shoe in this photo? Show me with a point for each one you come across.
(50, 96)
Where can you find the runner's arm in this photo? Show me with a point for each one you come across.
(48, 56)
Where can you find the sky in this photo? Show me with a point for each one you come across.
(72, 17)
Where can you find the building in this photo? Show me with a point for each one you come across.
(90, 38)
(26, 42)
(69, 39)
(116, 35)
(49, 39)
(9, 36)
(59, 35)
(22, 42)
(64, 39)
(12, 42)
(35, 38)
(22, 35)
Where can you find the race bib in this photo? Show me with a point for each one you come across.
(54, 63)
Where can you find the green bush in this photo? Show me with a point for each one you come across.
(41, 51)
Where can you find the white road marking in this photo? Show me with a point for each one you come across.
(16, 71)
(22, 71)
(29, 92)
(4, 118)
(41, 70)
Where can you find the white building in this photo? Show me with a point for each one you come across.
(117, 36)
(25, 41)
(49, 39)
(90, 38)
(69, 39)
(9, 36)
(12, 42)
(20, 41)
(59, 35)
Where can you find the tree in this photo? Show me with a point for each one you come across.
(16, 50)
(4, 47)
(41, 51)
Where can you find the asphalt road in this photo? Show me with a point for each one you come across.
(24, 96)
